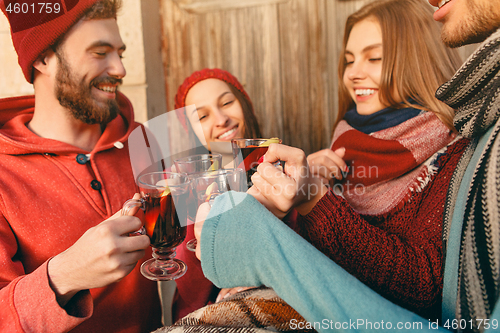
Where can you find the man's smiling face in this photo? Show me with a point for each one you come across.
(90, 70)
(466, 21)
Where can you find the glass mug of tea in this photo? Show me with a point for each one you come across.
(248, 153)
(198, 163)
(164, 200)
(209, 185)
(193, 165)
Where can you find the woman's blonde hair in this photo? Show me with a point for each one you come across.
(415, 62)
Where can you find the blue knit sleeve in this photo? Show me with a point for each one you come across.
(243, 244)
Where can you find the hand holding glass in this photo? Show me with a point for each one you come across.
(164, 198)
(247, 154)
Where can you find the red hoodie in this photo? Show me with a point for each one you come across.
(46, 203)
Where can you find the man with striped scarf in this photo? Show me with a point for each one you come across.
(472, 215)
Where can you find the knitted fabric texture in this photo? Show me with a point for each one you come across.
(38, 29)
(399, 254)
(254, 310)
(380, 120)
(204, 74)
(387, 166)
(474, 92)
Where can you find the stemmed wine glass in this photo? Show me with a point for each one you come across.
(193, 165)
(164, 198)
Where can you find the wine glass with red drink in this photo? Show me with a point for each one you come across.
(164, 200)
(248, 154)
(193, 165)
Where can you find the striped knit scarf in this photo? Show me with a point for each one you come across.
(474, 93)
(387, 166)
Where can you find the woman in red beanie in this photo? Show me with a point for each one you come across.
(223, 107)
(225, 112)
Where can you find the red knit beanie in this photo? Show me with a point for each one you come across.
(214, 73)
(36, 26)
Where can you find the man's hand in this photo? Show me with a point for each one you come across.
(103, 255)
(295, 187)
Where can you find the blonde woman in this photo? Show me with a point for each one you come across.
(390, 161)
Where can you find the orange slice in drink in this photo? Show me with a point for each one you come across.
(214, 166)
(166, 192)
(269, 141)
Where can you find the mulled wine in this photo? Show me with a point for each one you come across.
(250, 162)
(248, 154)
(162, 220)
(164, 197)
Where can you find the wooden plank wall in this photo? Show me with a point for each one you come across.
(285, 53)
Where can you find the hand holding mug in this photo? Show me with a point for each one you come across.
(293, 187)
(104, 254)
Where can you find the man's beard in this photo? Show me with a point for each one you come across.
(479, 24)
(77, 98)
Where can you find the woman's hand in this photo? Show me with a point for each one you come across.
(226, 292)
(295, 187)
(328, 165)
(201, 215)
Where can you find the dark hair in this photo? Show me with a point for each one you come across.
(415, 60)
(251, 129)
(103, 9)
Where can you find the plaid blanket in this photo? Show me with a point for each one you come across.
(254, 310)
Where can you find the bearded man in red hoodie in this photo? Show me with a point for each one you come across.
(66, 261)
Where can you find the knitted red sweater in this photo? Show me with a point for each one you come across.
(399, 255)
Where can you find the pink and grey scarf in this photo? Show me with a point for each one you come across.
(386, 166)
